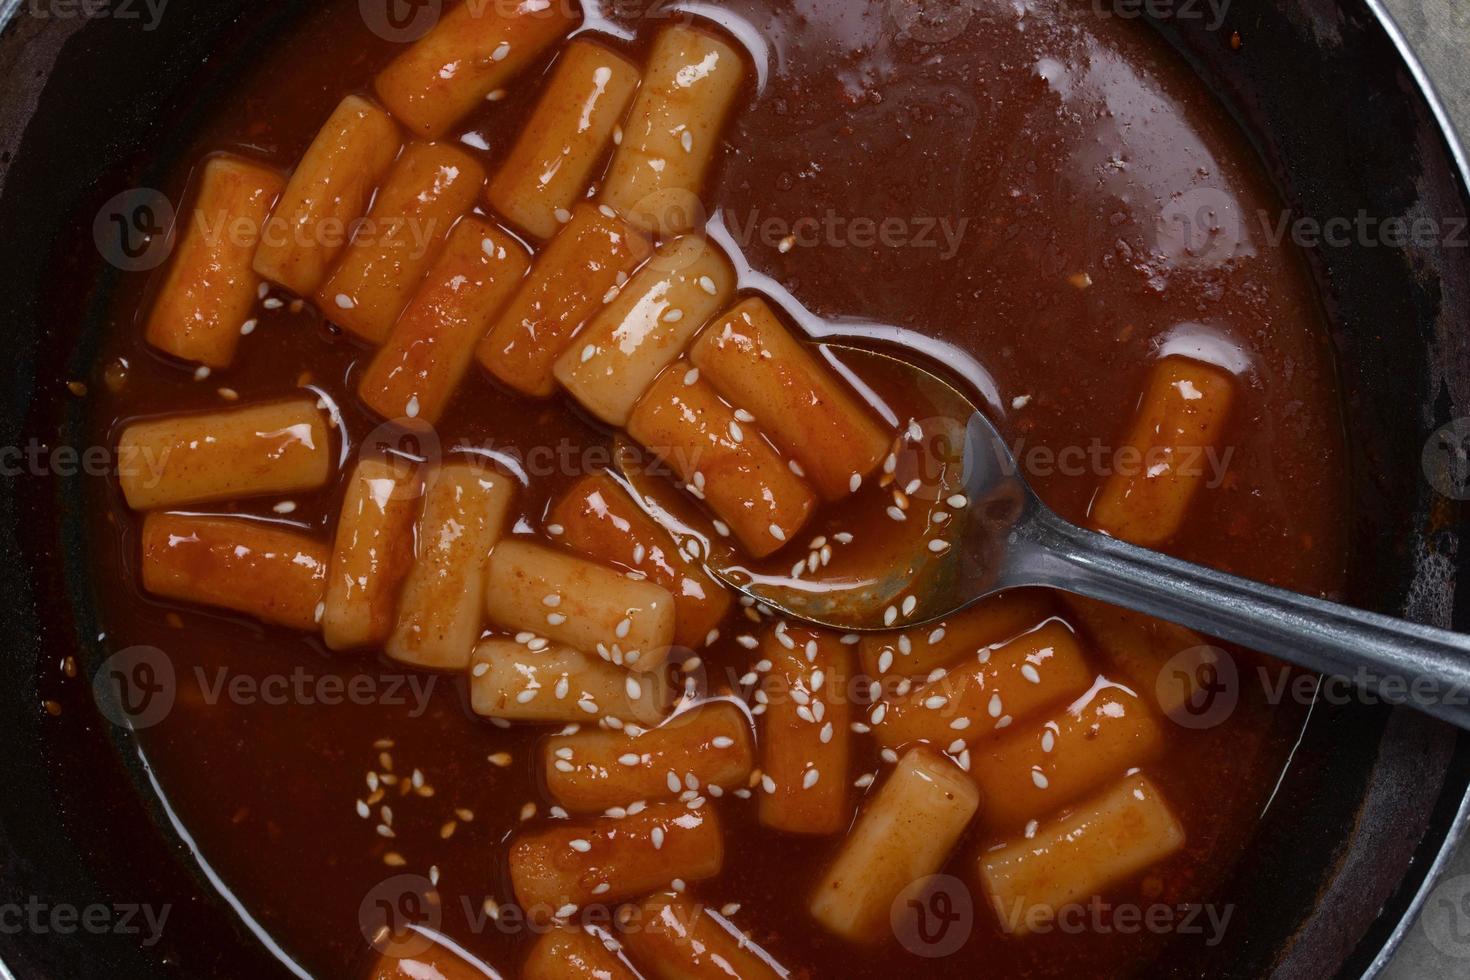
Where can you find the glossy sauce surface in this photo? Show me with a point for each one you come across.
(1038, 163)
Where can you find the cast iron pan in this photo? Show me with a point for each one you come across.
(1376, 797)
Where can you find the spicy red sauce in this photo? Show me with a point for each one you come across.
(1046, 168)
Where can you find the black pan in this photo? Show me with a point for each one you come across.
(1338, 111)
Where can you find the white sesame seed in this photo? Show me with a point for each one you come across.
(344, 301)
(909, 604)
(658, 838)
(579, 845)
(890, 615)
(555, 619)
(938, 546)
(1028, 671)
(248, 327)
(672, 316)
(1039, 779)
(691, 376)
(810, 777)
(957, 501)
(777, 533)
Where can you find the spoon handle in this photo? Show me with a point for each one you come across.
(1399, 661)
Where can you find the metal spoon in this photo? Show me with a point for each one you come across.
(1001, 536)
